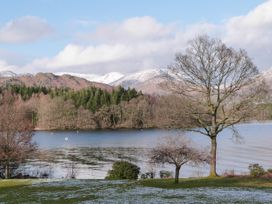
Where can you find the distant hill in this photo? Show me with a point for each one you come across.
(106, 79)
(148, 81)
(50, 80)
(267, 76)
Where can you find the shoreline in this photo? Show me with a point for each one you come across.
(264, 122)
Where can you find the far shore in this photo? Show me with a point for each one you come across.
(144, 128)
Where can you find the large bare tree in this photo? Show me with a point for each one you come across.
(219, 84)
(16, 131)
(178, 151)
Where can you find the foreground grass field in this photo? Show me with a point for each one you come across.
(202, 190)
(248, 182)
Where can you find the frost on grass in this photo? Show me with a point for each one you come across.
(102, 191)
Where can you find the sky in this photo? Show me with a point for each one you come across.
(101, 36)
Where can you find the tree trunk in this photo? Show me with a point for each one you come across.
(7, 173)
(177, 174)
(213, 157)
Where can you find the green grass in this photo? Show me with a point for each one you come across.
(247, 182)
(101, 191)
(7, 183)
(26, 191)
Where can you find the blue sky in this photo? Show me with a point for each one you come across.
(34, 33)
(62, 11)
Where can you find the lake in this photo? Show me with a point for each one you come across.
(90, 154)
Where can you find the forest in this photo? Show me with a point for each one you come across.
(94, 108)
(92, 98)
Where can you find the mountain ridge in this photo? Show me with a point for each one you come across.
(49, 80)
(148, 81)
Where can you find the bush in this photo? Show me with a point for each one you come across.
(148, 175)
(269, 171)
(256, 170)
(229, 173)
(123, 170)
(166, 174)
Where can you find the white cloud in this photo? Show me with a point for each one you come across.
(253, 28)
(24, 29)
(144, 43)
(134, 44)
(253, 32)
(4, 66)
(132, 29)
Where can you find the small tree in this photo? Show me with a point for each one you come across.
(256, 170)
(123, 170)
(16, 131)
(177, 151)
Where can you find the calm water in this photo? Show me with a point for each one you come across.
(91, 153)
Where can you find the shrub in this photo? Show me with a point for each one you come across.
(229, 173)
(123, 170)
(166, 174)
(256, 170)
(148, 175)
(269, 171)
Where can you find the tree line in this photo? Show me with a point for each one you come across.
(94, 108)
(90, 98)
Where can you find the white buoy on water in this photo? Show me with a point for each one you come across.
(66, 138)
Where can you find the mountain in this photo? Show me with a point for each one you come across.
(267, 76)
(147, 81)
(7, 74)
(106, 79)
(51, 80)
(138, 77)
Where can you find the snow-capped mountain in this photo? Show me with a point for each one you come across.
(267, 74)
(148, 81)
(138, 77)
(7, 74)
(50, 80)
(108, 78)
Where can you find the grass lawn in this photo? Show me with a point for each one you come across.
(6, 183)
(41, 190)
(103, 191)
(209, 182)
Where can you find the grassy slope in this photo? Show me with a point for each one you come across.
(209, 182)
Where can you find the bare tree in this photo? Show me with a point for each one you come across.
(177, 150)
(218, 82)
(72, 171)
(16, 131)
